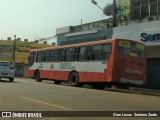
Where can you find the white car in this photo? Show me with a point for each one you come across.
(7, 70)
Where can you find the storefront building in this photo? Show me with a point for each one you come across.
(137, 20)
(22, 50)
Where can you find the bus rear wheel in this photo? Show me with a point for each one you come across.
(57, 82)
(74, 80)
(37, 77)
(99, 86)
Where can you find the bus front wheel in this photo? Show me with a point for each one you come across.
(37, 77)
(11, 79)
(74, 80)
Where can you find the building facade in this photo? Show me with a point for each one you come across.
(137, 20)
(21, 52)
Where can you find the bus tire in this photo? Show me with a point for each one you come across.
(74, 80)
(11, 79)
(37, 76)
(99, 86)
(57, 82)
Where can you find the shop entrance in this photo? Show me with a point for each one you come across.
(153, 73)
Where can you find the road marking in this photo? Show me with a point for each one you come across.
(46, 103)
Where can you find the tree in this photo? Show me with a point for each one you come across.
(25, 40)
(9, 38)
(53, 43)
(109, 10)
(36, 41)
(45, 42)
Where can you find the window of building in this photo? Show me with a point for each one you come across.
(144, 8)
(136, 10)
(153, 7)
(84, 53)
(136, 13)
(159, 7)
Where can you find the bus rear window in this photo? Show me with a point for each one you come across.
(130, 48)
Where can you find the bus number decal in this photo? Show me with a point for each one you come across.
(52, 66)
(125, 44)
(64, 66)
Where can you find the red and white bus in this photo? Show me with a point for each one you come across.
(113, 61)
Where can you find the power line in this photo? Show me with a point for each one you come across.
(27, 12)
(47, 38)
(86, 18)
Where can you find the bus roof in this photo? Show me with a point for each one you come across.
(82, 44)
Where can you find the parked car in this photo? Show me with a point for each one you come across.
(7, 70)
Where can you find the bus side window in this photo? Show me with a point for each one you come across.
(44, 56)
(88, 53)
(55, 58)
(59, 55)
(70, 54)
(84, 53)
(96, 52)
(106, 51)
(31, 59)
(47, 56)
(39, 56)
(52, 55)
(75, 54)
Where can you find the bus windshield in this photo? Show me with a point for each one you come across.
(131, 48)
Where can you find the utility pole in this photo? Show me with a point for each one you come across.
(114, 6)
(114, 14)
(14, 50)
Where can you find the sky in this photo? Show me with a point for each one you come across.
(35, 19)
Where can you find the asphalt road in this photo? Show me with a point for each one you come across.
(27, 95)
